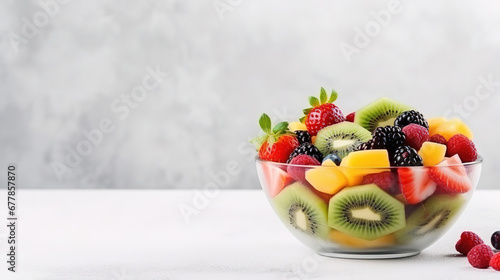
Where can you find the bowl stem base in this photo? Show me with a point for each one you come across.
(368, 256)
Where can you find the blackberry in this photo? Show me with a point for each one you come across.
(409, 117)
(306, 149)
(372, 144)
(393, 135)
(406, 156)
(303, 136)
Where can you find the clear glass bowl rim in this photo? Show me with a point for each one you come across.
(479, 161)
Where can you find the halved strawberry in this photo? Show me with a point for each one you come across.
(275, 178)
(450, 176)
(415, 184)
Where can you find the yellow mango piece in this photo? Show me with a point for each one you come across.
(354, 242)
(294, 126)
(360, 163)
(367, 158)
(313, 139)
(432, 153)
(434, 123)
(452, 127)
(328, 180)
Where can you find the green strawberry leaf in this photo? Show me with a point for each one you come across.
(323, 96)
(265, 123)
(303, 118)
(313, 101)
(306, 111)
(333, 97)
(280, 127)
(259, 140)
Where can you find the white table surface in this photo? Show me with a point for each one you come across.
(132, 234)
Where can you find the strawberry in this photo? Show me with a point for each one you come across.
(323, 113)
(450, 176)
(415, 184)
(275, 178)
(276, 144)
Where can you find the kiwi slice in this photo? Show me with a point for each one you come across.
(341, 138)
(433, 215)
(380, 113)
(299, 207)
(365, 212)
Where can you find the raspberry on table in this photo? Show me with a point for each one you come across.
(480, 256)
(468, 240)
(495, 262)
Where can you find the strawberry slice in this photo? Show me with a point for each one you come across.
(450, 176)
(275, 178)
(415, 184)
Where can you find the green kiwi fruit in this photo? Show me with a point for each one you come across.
(365, 212)
(299, 207)
(341, 138)
(432, 216)
(380, 113)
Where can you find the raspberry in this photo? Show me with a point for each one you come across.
(416, 135)
(350, 117)
(298, 172)
(462, 146)
(410, 117)
(480, 256)
(438, 138)
(495, 262)
(306, 149)
(303, 136)
(406, 156)
(468, 240)
(386, 180)
(393, 135)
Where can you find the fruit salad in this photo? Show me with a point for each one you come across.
(381, 177)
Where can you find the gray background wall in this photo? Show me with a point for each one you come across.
(63, 74)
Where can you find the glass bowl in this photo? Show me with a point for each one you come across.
(361, 213)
